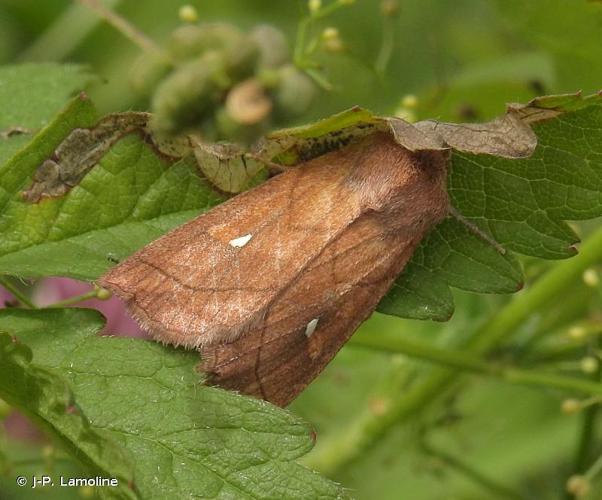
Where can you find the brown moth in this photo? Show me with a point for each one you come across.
(271, 284)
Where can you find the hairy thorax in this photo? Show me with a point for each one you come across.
(408, 189)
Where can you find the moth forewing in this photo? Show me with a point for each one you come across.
(271, 284)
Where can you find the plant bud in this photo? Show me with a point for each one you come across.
(188, 14)
(578, 485)
(332, 40)
(103, 294)
(589, 364)
(571, 406)
(577, 332)
(314, 6)
(409, 101)
(591, 278)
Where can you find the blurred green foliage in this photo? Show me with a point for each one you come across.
(484, 439)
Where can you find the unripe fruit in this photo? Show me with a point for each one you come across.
(273, 46)
(294, 94)
(186, 97)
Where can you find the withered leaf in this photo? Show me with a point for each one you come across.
(83, 148)
(506, 137)
(232, 169)
(229, 167)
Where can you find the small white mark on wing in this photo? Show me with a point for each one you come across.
(311, 327)
(240, 241)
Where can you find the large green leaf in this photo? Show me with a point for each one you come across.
(522, 203)
(45, 395)
(182, 439)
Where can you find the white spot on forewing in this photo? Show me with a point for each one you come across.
(240, 241)
(311, 327)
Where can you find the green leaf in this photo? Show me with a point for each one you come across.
(423, 294)
(30, 96)
(523, 203)
(130, 198)
(40, 90)
(44, 395)
(183, 438)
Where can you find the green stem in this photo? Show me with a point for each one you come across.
(587, 434)
(328, 9)
(595, 469)
(64, 34)
(476, 476)
(93, 294)
(299, 50)
(363, 434)
(467, 362)
(318, 79)
(126, 28)
(18, 294)
(386, 48)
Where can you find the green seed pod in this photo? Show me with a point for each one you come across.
(273, 46)
(294, 94)
(187, 96)
(241, 58)
(191, 41)
(148, 70)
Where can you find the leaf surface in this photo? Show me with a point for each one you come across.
(182, 439)
(45, 395)
(31, 95)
